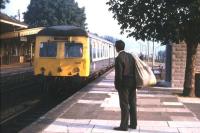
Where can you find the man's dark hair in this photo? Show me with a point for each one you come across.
(119, 44)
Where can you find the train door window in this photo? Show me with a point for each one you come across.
(48, 49)
(73, 50)
(94, 50)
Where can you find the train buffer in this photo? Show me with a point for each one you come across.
(95, 109)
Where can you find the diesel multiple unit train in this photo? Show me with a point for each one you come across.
(69, 51)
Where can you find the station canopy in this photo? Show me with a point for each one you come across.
(21, 33)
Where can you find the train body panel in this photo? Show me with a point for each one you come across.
(101, 64)
(62, 63)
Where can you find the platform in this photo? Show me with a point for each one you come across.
(95, 109)
(17, 68)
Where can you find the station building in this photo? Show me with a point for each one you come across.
(17, 41)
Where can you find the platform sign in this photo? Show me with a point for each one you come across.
(23, 39)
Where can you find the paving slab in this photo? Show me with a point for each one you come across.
(158, 130)
(189, 130)
(189, 124)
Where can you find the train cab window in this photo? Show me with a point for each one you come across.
(73, 50)
(48, 49)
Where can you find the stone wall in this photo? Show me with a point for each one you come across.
(179, 63)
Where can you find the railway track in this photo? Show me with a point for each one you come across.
(30, 110)
(17, 93)
(26, 102)
(31, 105)
(29, 115)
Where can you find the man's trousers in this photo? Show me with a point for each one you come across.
(127, 101)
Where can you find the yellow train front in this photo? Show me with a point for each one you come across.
(69, 51)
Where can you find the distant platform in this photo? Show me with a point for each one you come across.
(17, 68)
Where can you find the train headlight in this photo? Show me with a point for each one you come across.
(59, 69)
(76, 70)
(42, 69)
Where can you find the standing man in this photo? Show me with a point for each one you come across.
(125, 84)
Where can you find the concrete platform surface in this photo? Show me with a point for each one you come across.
(95, 109)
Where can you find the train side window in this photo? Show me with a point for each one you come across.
(98, 50)
(101, 50)
(48, 49)
(106, 51)
(73, 50)
(91, 47)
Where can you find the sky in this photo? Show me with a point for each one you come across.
(99, 21)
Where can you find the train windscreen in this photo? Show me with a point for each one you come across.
(73, 50)
(48, 49)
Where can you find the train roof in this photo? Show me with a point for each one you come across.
(63, 30)
(99, 38)
(68, 30)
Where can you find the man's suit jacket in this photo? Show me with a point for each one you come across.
(125, 71)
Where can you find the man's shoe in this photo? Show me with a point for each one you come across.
(132, 126)
(120, 129)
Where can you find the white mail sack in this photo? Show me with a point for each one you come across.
(144, 74)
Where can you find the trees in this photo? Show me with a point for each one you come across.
(163, 20)
(54, 12)
(2, 4)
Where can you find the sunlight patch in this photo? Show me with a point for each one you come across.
(173, 103)
(90, 101)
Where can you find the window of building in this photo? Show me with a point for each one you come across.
(48, 49)
(14, 51)
(73, 50)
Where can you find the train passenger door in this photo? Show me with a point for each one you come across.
(109, 55)
(90, 44)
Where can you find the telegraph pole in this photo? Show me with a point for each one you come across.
(148, 51)
(18, 13)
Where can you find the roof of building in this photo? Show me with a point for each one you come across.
(8, 20)
(20, 33)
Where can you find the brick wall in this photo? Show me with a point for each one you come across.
(179, 63)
